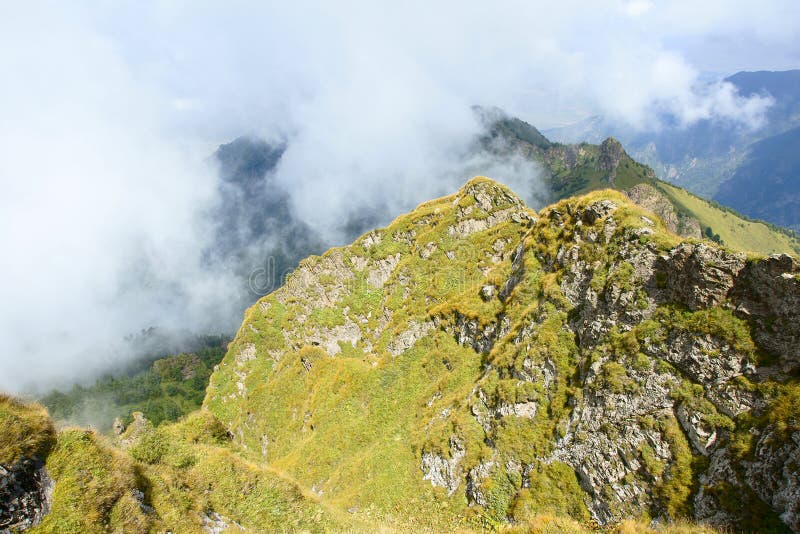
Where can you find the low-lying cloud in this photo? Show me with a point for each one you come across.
(111, 112)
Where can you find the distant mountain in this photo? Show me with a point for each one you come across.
(767, 183)
(257, 235)
(260, 238)
(572, 169)
(783, 86)
(704, 157)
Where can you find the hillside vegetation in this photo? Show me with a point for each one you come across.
(169, 388)
(474, 361)
(734, 230)
(473, 366)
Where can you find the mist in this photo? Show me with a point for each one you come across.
(112, 114)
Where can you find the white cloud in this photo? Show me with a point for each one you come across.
(636, 8)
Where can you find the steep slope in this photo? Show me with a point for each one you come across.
(476, 361)
(734, 230)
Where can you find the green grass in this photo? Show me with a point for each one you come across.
(718, 322)
(321, 420)
(584, 174)
(25, 431)
(735, 231)
(554, 490)
(94, 487)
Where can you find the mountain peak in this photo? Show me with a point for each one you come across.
(472, 342)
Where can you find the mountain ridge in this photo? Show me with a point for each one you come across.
(476, 317)
(572, 169)
(481, 364)
(474, 363)
(705, 156)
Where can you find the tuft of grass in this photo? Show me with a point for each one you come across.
(26, 431)
(718, 322)
(94, 490)
(675, 490)
(553, 490)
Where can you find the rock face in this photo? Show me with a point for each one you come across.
(611, 153)
(648, 197)
(26, 437)
(581, 361)
(25, 493)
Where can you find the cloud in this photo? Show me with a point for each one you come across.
(636, 8)
(110, 112)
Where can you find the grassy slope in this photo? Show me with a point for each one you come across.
(365, 444)
(187, 469)
(736, 232)
(25, 431)
(180, 471)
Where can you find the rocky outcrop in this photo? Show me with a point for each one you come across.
(699, 276)
(648, 197)
(767, 294)
(774, 474)
(25, 495)
(406, 339)
(616, 437)
(443, 471)
(611, 153)
(214, 523)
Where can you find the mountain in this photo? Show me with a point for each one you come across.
(783, 87)
(571, 169)
(257, 234)
(473, 365)
(258, 237)
(767, 183)
(705, 156)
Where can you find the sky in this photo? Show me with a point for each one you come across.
(110, 113)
